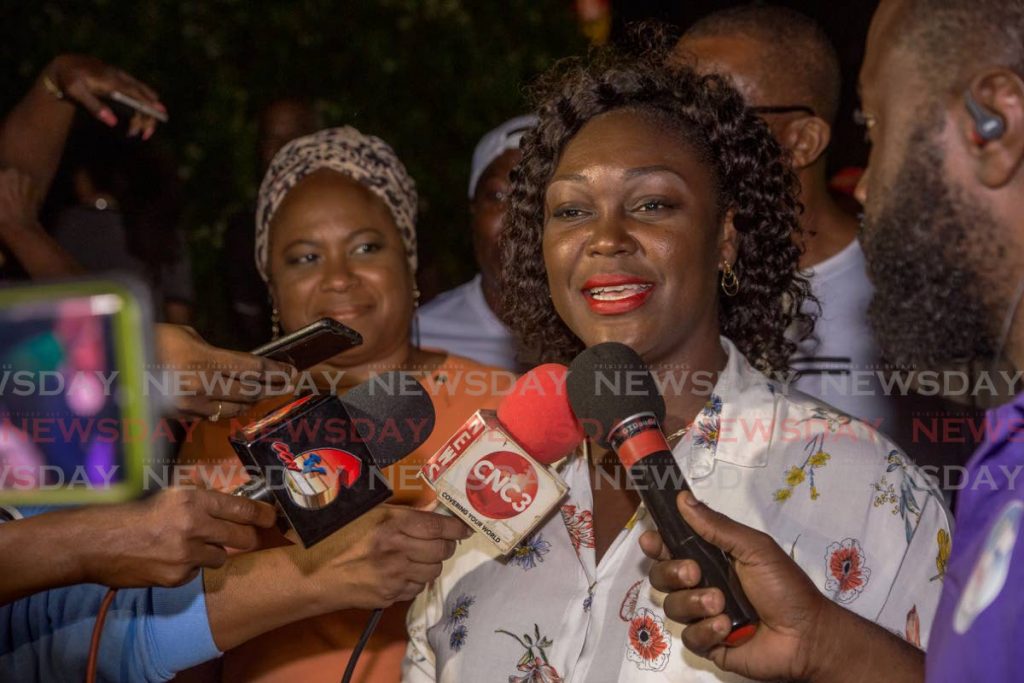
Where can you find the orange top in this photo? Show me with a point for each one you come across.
(318, 649)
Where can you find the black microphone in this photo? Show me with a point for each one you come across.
(611, 387)
(319, 458)
(393, 414)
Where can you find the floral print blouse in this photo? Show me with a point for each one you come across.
(864, 523)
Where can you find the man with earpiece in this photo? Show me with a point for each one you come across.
(788, 71)
(942, 88)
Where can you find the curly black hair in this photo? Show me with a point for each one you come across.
(753, 177)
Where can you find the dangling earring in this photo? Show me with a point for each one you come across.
(730, 281)
(415, 297)
(275, 323)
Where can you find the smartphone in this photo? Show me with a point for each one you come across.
(138, 106)
(311, 345)
(78, 423)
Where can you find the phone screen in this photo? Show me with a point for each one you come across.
(74, 425)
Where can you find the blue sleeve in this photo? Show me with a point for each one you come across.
(149, 635)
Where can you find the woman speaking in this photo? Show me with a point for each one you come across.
(651, 208)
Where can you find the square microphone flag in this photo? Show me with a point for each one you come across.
(315, 464)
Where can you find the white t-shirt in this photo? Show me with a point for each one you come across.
(459, 321)
(840, 362)
(842, 366)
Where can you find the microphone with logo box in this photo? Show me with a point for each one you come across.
(320, 457)
(610, 386)
(493, 472)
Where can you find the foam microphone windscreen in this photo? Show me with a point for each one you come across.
(393, 415)
(608, 383)
(538, 416)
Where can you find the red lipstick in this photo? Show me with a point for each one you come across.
(612, 294)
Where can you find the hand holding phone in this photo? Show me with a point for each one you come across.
(311, 345)
(92, 83)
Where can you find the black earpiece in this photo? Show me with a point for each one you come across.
(988, 126)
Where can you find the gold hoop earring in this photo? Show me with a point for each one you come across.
(730, 280)
(275, 323)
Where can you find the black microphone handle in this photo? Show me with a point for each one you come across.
(659, 480)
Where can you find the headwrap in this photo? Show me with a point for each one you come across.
(364, 158)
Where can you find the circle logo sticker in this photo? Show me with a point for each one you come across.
(992, 568)
(501, 485)
(315, 478)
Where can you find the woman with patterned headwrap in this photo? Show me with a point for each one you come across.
(336, 237)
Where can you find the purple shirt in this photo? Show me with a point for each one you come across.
(978, 633)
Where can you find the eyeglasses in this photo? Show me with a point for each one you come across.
(785, 109)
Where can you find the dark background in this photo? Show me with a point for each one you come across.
(428, 76)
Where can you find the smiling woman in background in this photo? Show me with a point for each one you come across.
(652, 208)
(336, 237)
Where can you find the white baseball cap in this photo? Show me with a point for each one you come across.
(495, 143)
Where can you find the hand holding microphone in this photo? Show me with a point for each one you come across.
(802, 636)
(320, 457)
(610, 386)
(358, 553)
(386, 556)
(163, 540)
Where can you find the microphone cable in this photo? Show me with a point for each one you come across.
(350, 670)
(97, 634)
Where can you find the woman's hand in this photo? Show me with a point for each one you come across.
(386, 556)
(207, 381)
(84, 79)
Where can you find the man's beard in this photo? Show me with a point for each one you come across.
(931, 254)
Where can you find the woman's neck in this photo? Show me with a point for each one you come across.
(687, 377)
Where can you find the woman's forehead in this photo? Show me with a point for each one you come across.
(331, 200)
(625, 140)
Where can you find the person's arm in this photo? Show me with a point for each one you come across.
(32, 135)
(802, 635)
(161, 541)
(37, 252)
(386, 556)
(149, 634)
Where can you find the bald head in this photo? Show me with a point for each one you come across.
(775, 55)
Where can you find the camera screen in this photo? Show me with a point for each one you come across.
(63, 424)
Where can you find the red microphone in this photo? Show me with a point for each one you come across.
(538, 416)
(493, 472)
